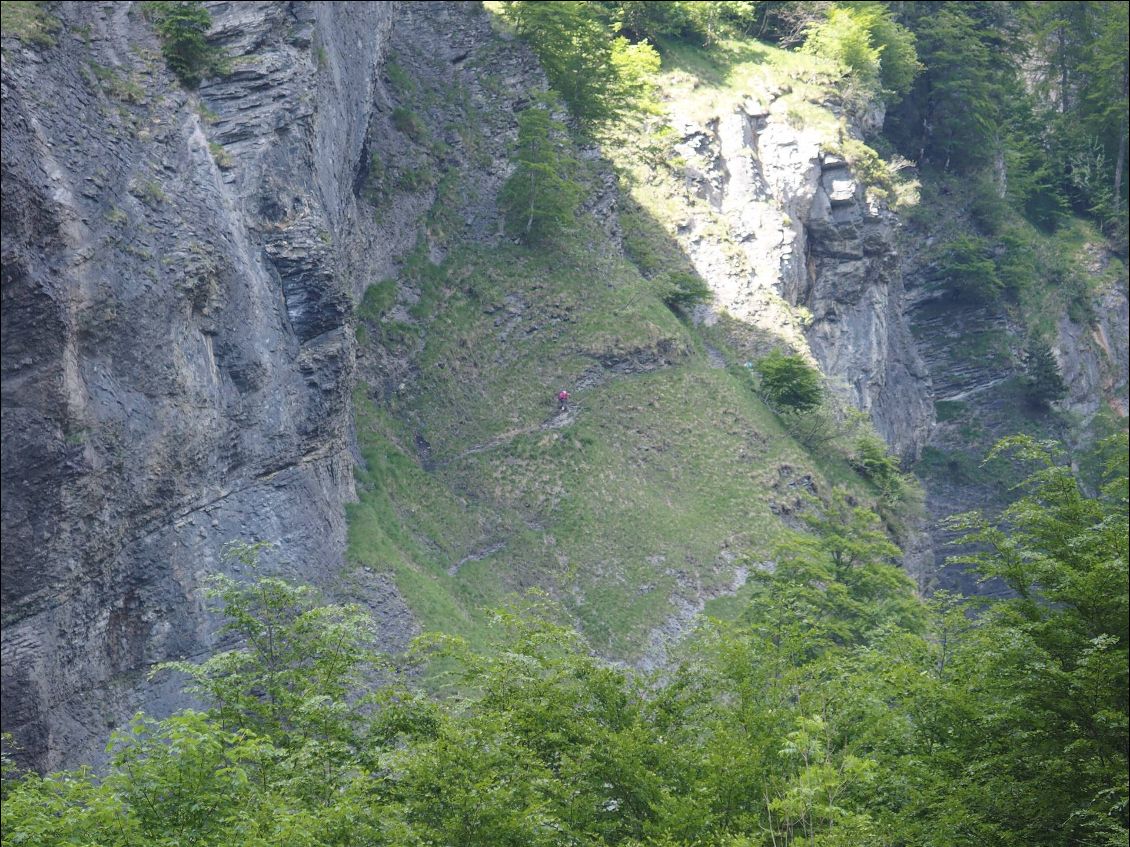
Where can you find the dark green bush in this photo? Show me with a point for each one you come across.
(406, 121)
(378, 299)
(682, 290)
(987, 208)
(1016, 263)
(967, 270)
(182, 28)
(789, 382)
(1043, 384)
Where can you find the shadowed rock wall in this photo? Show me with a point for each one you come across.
(177, 364)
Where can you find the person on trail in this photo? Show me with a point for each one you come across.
(563, 400)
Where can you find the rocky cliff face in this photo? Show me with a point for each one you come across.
(777, 224)
(796, 248)
(1093, 358)
(176, 356)
(975, 353)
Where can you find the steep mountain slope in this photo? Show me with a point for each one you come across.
(283, 308)
(811, 241)
(759, 192)
(665, 478)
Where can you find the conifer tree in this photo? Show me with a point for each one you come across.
(541, 196)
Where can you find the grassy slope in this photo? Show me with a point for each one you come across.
(662, 479)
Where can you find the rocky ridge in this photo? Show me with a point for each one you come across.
(790, 243)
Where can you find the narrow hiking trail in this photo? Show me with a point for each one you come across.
(557, 421)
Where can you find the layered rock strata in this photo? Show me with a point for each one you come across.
(177, 363)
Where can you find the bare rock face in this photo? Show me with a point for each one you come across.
(177, 363)
(1093, 358)
(856, 298)
(785, 225)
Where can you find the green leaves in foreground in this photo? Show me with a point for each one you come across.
(838, 709)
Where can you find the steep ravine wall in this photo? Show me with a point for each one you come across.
(975, 355)
(177, 363)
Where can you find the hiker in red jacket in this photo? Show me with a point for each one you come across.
(563, 400)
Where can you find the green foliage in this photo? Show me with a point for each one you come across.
(712, 20)
(297, 662)
(864, 39)
(1043, 384)
(408, 122)
(815, 428)
(1033, 187)
(845, 38)
(872, 459)
(541, 196)
(651, 19)
(834, 575)
(415, 179)
(701, 21)
(838, 709)
(182, 27)
(898, 58)
(1081, 63)
(600, 77)
(966, 268)
(987, 208)
(1054, 656)
(30, 22)
(789, 382)
(954, 114)
(682, 290)
(1017, 263)
(1034, 92)
(378, 299)
(847, 435)
(870, 168)
(399, 78)
(953, 466)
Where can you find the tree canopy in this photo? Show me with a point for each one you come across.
(836, 709)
